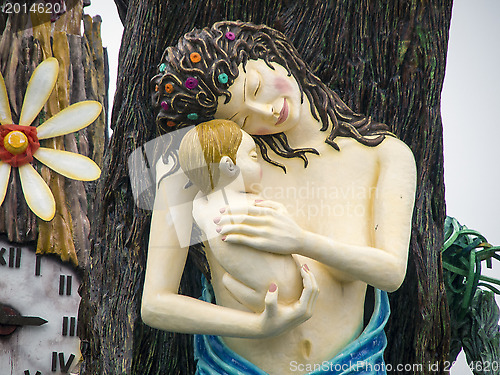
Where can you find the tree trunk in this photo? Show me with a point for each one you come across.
(385, 59)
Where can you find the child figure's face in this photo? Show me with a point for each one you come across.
(250, 169)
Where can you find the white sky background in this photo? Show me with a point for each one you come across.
(470, 106)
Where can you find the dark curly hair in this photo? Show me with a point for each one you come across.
(204, 64)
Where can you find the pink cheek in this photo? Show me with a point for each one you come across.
(262, 131)
(281, 85)
(260, 173)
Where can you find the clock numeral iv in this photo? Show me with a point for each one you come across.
(14, 257)
(64, 365)
(69, 326)
(65, 282)
(27, 372)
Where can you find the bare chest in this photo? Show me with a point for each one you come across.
(333, 196)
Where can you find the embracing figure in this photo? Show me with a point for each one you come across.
(221, 160)
(343, 208)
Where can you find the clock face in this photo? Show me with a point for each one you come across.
(38, 313)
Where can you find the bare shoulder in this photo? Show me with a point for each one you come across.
(394, 159)
(394, 147)
(391, 151)
(397, 164)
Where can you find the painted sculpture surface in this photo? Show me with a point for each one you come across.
(19, 143)
(38, 293)
(343, 208)
(221, 160)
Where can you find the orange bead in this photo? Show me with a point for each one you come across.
(170, 124)
(169, 88)
(195, 57)
(156, 88)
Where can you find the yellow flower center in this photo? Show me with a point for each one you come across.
(15, 142)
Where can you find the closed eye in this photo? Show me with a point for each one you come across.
(257, 89)
(245, 90)
(244, 122)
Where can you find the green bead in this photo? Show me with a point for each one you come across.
(223, 78)
(163, 66)
(192, 116)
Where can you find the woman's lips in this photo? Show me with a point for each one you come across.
(283, 113)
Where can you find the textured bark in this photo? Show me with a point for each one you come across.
(17, 67)
(22, 48)
(384, 58)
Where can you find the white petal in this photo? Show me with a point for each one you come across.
(36, 192)
(4, 179)
(69, 120)
(69, 164)
(39, 89)
(5, 115)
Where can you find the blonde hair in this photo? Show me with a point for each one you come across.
(204, 146)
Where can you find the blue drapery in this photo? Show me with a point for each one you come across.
(363, 356)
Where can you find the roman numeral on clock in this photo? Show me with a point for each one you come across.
(65, 283)
(14, 257)
(27, 372)
(38, 265)
(64, 365)
(69, 326)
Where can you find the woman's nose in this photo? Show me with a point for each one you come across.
(260, 108)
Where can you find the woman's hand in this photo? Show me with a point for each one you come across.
(265, 226)
(277, 318)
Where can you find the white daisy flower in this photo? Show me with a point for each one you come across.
(20, 143)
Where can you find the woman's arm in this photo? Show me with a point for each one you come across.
(164, 308)
(268, 227)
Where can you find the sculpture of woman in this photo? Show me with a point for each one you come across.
(343, 207)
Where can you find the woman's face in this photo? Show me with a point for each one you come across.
(263, 101)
